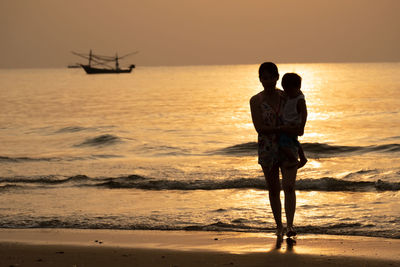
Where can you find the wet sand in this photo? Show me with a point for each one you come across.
(70, 247)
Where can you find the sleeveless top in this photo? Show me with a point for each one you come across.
(268, 145)
(290, 115)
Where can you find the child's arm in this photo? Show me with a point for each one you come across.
(302, 110)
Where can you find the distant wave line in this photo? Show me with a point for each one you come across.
(6, 159)
(313, 150)
(101, 140)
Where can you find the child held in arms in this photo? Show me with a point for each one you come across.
(294, 114)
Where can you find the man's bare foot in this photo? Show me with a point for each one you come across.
(291, 231)
(302, 162)
(280, 231)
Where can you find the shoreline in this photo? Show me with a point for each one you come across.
(73, 247)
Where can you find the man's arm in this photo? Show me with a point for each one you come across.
(257, 117)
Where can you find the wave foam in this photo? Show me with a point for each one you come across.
(357, 229)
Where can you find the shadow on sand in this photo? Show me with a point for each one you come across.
(290, 243)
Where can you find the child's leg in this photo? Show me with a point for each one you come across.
(291, 157)
(286, 145)
(303, 159)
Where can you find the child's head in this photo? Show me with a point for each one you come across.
(291, 83)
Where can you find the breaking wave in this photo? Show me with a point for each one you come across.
(145, 183)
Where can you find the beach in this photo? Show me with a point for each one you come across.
(71, 247)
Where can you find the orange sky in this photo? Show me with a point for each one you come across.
(41, 33)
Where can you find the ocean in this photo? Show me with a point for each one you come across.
(174, 148)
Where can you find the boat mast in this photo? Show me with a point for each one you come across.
(116, 61)
(90, 57)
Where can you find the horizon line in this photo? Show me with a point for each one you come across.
(218, 64)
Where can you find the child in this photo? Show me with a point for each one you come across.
(294, 114)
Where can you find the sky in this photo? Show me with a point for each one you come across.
(42, 33)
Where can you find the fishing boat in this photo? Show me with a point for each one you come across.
(100, 64)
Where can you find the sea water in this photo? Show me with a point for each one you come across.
(174, 148)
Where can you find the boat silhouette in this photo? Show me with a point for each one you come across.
(99, 64)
